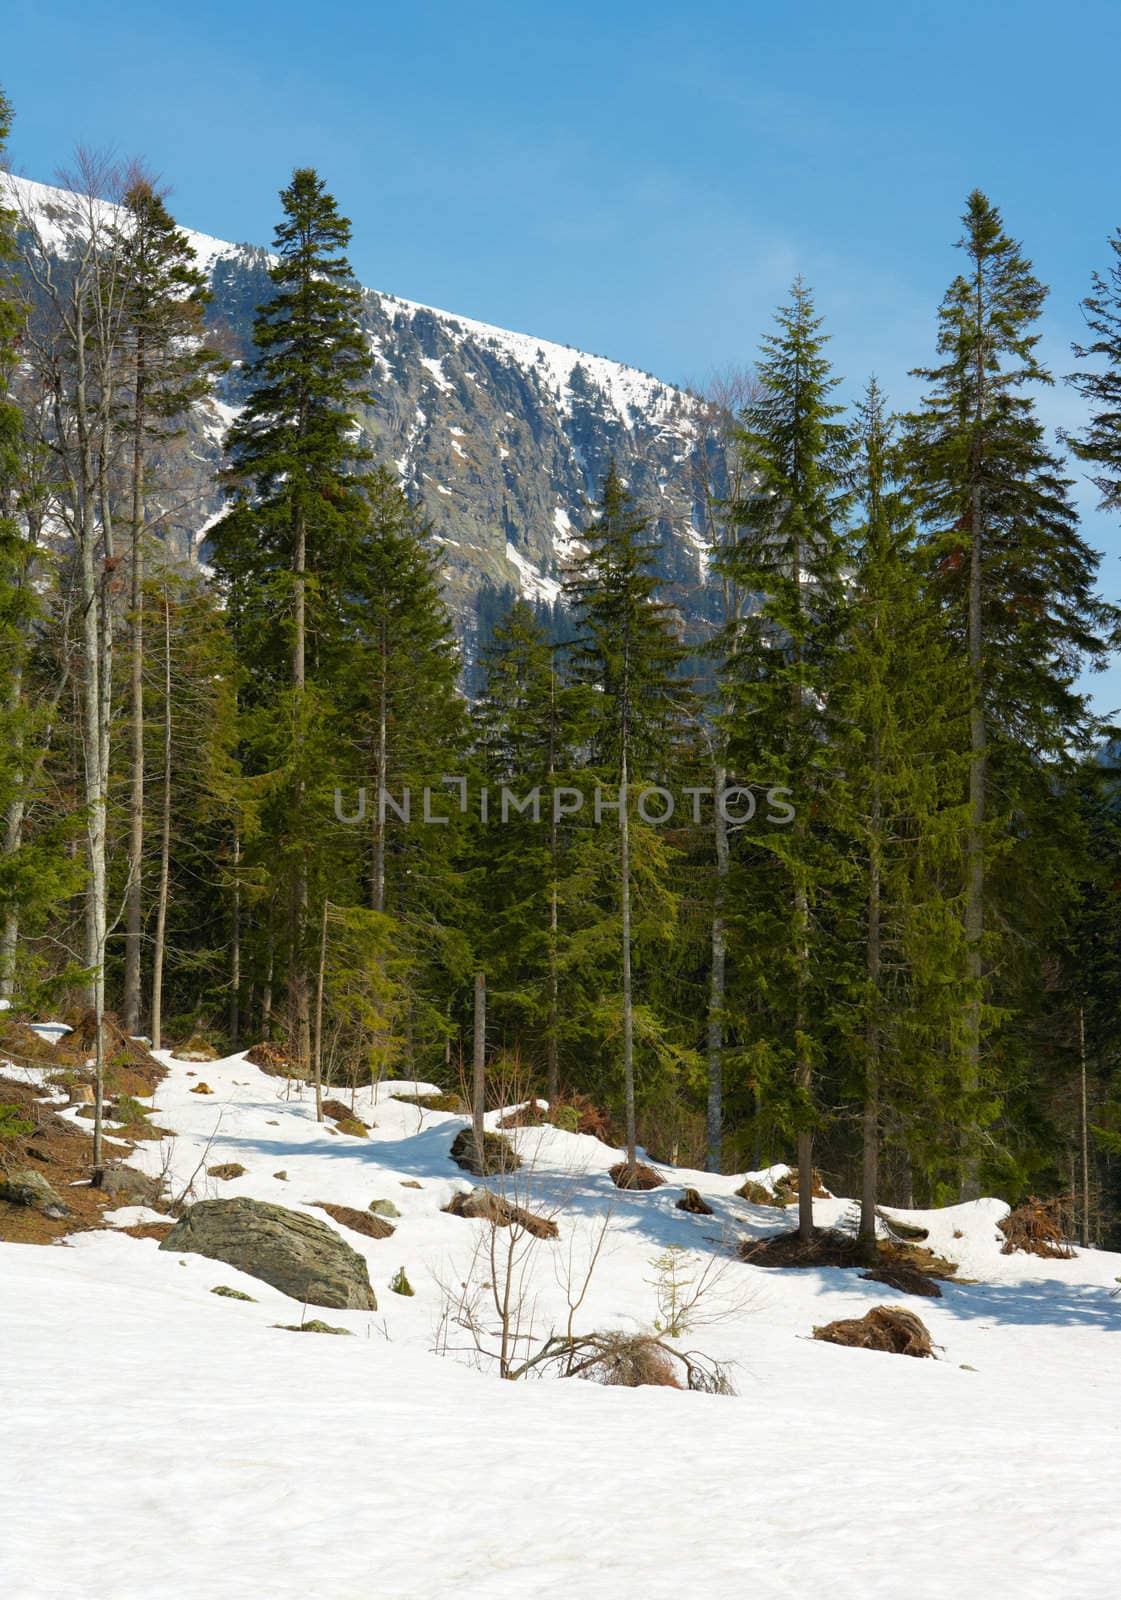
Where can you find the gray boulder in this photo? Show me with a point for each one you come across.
(296, 1254)
(129, 1187)
(27, 1188)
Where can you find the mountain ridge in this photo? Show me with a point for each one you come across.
(503, 437)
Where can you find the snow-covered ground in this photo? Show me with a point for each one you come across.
(161, 1441)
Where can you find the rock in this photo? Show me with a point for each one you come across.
(297, 1254)
(384, 1208)
(31, 1189)
(283, 1176)
(694, 1203)
(435, 1102)
(360, 1221)
(411, 1183)
(232, 1294)
(202, 1088)
(351, 1125)
(227, 1169)
(129, 1187)
(484, 1204)
(755, 1193)
(195, 1049)
(314, 1326)
(498, 1154)
(80, 1094)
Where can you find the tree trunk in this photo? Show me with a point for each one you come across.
(266, 991)
(552, 1077)
(1085, 1232)
(298, 904)
(134, 902)
(319, 1014)
(235, 943)
(479, 1064)
(13, 838)
(381, 758)
(628, 1007)
(714, 1114)
(871, 1115)
(165, 840)
(803, 1069)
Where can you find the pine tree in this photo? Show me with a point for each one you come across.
(169, 368)
(780, 660)
(298, 482)
(1015, 577)
(1100, 441)
(627, 652)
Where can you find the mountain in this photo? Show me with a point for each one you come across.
(502, 437)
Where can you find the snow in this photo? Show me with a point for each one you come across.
(532, 583)
(50, 207)
(435, 367)
(183, 1445)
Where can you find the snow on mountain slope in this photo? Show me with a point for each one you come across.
(181, 1445)
(505, 438)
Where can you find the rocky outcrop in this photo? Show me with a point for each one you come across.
(31, 1189)
(296, 1254)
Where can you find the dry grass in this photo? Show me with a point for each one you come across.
(361, 1221)
(695, 1204)
(629, 1361)
(890, 1328)
(638, 1176)
(1034, 1229)
(485, 1205)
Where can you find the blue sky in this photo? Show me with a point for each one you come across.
(635, 180)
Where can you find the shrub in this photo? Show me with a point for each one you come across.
(13, 1125)
(400, 1284)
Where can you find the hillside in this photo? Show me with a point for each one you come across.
(503, 437)
(345, 1467)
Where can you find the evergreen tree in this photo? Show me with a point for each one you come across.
(525, 723)
(779, 667)
(899, 705)
(299, 501)
(1015, 578)
(1099, 443)
(628, 654)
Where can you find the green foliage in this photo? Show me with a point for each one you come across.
(399, 1283)
(13, 1124)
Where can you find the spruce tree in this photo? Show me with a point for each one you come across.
(525, 721)
(298, 481)
(899, 709)
(1015, 578)
(780, 661)
(627, 653)
(1099, 443)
